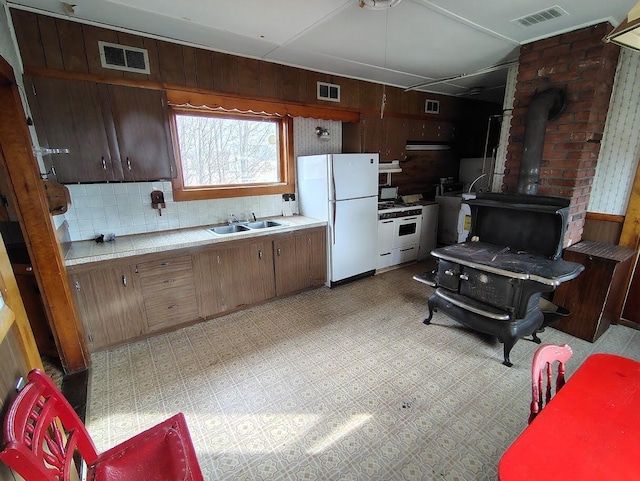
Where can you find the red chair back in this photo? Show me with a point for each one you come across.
(541, 368)
(42, 435)
(34, 437)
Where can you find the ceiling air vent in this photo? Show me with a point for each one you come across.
(121, 57)
(541, 16)
(431, 106)
(330, 92)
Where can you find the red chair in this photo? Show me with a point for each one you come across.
(544, 357)
(42, 433)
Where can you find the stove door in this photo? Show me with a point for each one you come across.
(449, 275)
(489, 288)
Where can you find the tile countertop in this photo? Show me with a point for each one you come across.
(85, 252)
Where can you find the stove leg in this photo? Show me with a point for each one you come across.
(428, 319)
(508, 344)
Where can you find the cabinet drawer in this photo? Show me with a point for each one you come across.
(158, 285)
(404, 254)
(159, 267)
(171, 308)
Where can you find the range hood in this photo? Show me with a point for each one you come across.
(421, 145)
(389, 167)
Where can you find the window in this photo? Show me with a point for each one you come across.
(226, 154)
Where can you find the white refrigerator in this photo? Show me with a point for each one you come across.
(342, 189)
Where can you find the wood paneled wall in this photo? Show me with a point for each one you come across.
(603, 228)
(58, 44)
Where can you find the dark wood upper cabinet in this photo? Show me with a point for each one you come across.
(67, 115)
(113, 133)
(142, 130)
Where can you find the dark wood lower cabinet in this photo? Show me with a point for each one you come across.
(300, 261)
(596, 296)
(127, 299)
(110, 305)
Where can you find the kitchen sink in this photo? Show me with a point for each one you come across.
(262, 224)
(229, 229)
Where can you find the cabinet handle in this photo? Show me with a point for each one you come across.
(278, 251)
(128, 163)
(77, 285)
(29, 269)
(104, 163)
(168, 281)
(464, 277)
(124, 281)
(387, 222)
(407, 249)
(172, 306)
(165, 263)
(53, 170)
(259, 254)
(449, 272)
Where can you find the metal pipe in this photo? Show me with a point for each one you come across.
(544, 106)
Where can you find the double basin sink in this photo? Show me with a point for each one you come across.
(244, 227)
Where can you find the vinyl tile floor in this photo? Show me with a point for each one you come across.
(332, 384)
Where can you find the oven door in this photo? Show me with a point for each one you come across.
(407, 231)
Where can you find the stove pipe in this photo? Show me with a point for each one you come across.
(544, 106)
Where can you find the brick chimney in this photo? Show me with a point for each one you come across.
(582, 64)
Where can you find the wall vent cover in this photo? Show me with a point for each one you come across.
(541, 16)
(122, 57)
(330, 92)
(431, 106)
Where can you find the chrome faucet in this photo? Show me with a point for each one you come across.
(233, 219)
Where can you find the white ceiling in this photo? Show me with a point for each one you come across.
(412, 43)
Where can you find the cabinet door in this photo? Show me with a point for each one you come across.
(300, 261)
(208, 280)
(247, 274)
(395, 139)
(141, 123)
(109, 304)
(317, 242)
(68, 115)
(373, 133)
(291, 262)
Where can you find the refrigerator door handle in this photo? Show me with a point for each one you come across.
(333, 227)
(333, 186)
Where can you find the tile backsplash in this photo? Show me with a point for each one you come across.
(125, 208)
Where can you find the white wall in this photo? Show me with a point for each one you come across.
(7, 50)
(125, 208)
(620, 147)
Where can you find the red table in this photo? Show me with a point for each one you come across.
(589, 431)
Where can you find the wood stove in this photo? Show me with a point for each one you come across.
(493, 282)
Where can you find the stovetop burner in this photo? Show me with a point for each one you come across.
(391, 204)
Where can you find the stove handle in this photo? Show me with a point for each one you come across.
(449, 272)
(464, 277)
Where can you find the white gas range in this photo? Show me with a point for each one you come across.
(398, 233)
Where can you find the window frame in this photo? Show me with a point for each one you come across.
(287, 172)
